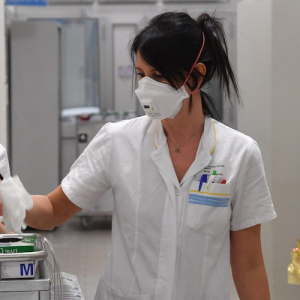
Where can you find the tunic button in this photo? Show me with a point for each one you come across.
(178, 192)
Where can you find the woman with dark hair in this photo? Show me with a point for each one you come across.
(189, 192)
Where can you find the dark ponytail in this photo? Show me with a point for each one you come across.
(216, 57)
(170, 44)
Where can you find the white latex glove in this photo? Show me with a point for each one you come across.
(15, 201)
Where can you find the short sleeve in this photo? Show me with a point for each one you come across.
(4, 165)
(252, 203)
(88, 178)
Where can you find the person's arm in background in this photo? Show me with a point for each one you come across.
(2, 229)
(5, 173)
(247, 264)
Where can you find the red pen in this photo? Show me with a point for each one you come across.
(223, 181)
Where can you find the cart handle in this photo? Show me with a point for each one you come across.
(27, 256)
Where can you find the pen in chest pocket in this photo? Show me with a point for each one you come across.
(203, 179)
(214, 179)
(210, 180)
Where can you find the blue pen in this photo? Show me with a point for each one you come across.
(203, 179)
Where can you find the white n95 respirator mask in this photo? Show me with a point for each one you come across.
(159, 100)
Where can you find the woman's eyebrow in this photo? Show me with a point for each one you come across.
(152, 70)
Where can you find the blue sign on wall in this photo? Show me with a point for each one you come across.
(27, 2)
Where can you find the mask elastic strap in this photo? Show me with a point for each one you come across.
(195, 64)
(193, 92)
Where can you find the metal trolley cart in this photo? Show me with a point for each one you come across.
(76, 135)
(37, 288)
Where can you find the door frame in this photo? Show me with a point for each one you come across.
(3, 78)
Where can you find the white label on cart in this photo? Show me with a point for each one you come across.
(18, 269)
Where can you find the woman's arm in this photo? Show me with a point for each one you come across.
(50, 211)
(247, 264)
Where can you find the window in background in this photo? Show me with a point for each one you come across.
(79, 63)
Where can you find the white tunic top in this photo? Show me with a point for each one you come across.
(4, 166)
(170, 241)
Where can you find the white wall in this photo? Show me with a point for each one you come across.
(286, 139)
(254, 77)
(3, 85)
(269, 76)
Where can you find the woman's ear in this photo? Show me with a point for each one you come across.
(200, 72)
(201, 68)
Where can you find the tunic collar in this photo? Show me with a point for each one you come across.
(207, 141)
(161, 154)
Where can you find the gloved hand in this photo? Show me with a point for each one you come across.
(15, 201)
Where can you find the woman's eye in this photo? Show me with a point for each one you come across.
(159, 76)
(140, 74)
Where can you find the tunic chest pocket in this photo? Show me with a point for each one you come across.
(208, 213)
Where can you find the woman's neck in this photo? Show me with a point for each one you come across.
(186, 123)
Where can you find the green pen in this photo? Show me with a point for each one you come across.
(210, 180)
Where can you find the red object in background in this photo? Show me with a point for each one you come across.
(223, 181)
(85, 117)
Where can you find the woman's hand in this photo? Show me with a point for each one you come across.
(48, 211)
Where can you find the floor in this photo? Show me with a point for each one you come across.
(83, 252)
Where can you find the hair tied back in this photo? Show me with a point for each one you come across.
(203, 18)
(212, 27)
(209, 24)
